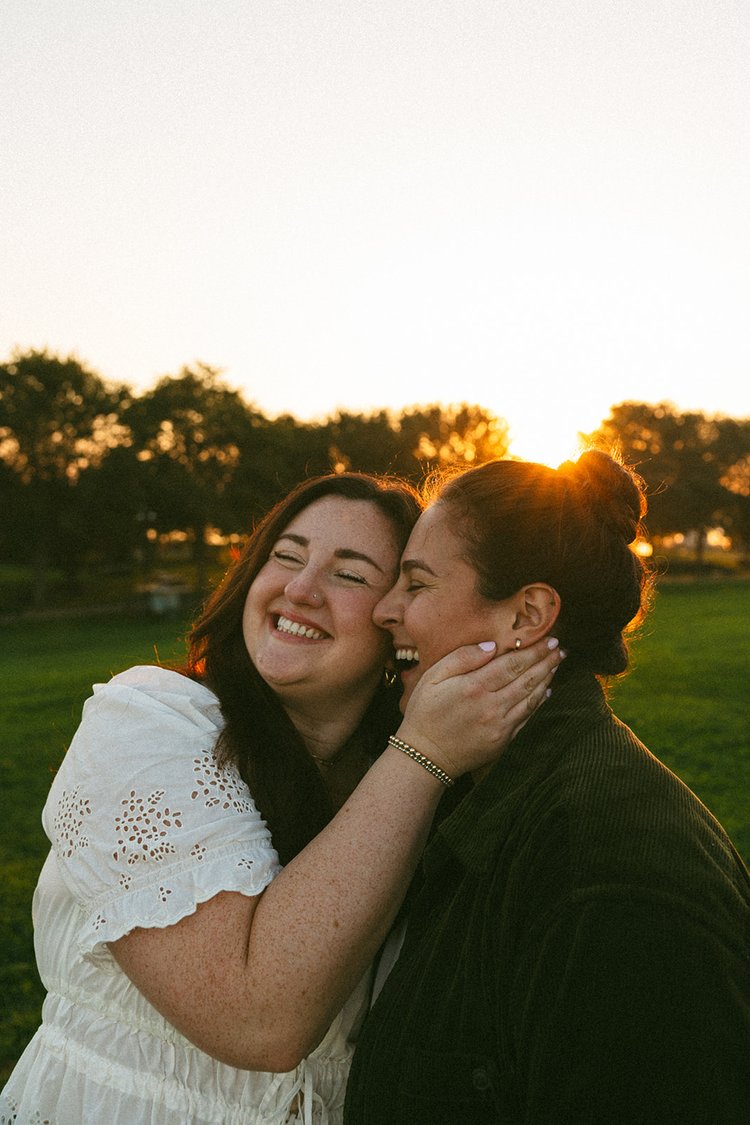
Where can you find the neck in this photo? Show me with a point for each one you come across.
(325, 738)
(327, 746)
(342, 773)
(341, 763)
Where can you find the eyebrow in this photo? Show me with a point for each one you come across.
(408, 565)
(341, 553)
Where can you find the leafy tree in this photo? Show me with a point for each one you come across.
(13, 540)
(274, 457)
(191, 431)
(734, 442)
(407, 444)
(57, 419)
(115, 490)
(439, 437)
(679, 457)
(365, 443)
(284, 451)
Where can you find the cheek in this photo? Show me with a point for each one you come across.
(368, 635)
(377, 639)
(442, 631)
(251, 610)
(249, 626)
(429, 626)
(253, 613)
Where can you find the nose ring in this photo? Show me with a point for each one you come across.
(314, 597)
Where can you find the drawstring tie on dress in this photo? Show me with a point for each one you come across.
(288, 1094)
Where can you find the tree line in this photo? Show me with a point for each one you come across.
(91, 473)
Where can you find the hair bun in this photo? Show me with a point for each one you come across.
(612, 490)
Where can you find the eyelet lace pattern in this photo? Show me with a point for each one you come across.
(145, 825)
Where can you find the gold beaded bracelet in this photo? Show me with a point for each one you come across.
(436, 771)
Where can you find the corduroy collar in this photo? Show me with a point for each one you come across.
(473, 832)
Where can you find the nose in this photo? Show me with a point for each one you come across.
(305, 588)
(387, 613)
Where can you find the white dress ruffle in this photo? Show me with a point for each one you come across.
(145, 825)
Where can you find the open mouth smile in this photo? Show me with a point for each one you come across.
(406, 659)
(296, 629)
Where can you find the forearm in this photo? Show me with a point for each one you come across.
(352, 878)
(256, 981)
(319, 924)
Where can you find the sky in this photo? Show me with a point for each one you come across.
(535, 206)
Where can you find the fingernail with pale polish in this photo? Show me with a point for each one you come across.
(487, 646)
(552, 642)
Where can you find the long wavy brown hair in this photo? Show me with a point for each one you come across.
(258, 736)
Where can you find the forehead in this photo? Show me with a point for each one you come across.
(433, 539)
(342, 524)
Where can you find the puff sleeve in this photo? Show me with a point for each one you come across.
(144, 823)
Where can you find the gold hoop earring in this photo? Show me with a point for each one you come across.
(518, 643)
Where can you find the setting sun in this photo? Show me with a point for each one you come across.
(547, 440)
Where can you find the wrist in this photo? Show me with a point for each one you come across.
(416, 738)
(422, 760)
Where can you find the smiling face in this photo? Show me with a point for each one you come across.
(307, 622)
(435, 606)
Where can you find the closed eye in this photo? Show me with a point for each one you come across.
(351, 577)
(286, 557)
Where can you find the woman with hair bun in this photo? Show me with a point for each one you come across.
(577, 950)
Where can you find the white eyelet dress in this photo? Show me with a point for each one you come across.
(144, 826)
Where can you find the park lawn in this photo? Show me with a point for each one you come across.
(688, 695)
(47, 669)
(686, 698)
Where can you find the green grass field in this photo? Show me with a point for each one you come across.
(47, 669)
(688, 695)
(686, 698)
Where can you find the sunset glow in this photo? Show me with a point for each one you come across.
(540, 211)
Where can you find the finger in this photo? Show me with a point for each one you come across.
(468, 658)
(523, 667)
(531, 684)
(520, 714)
(513, 715)
(505, 667)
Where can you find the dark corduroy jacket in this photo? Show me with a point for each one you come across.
(579, 950)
